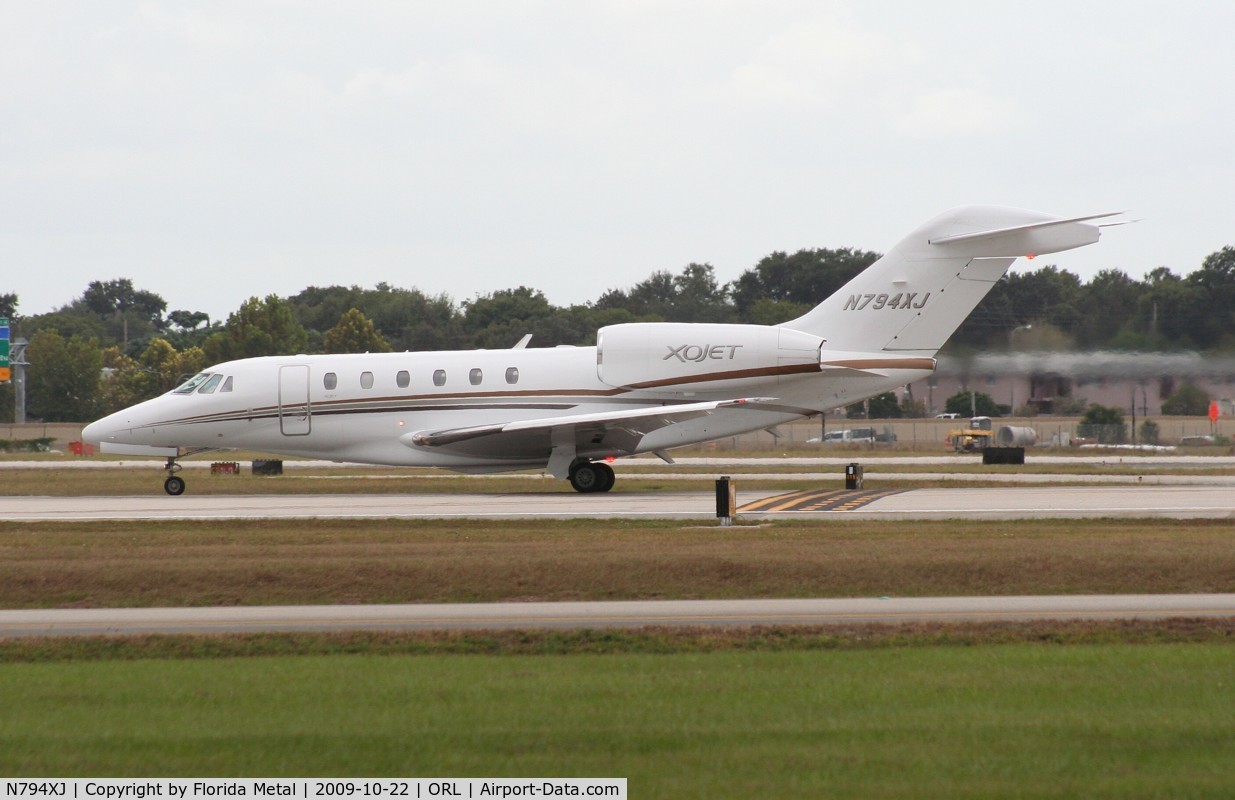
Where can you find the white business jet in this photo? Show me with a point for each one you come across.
(645, 387)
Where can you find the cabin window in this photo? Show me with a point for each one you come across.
(439, 377)
(227, 385)
(366, 380)
(192, 383)
(475, 376)
(512, 374)
(403, 379)
(330, 381)
(210, 385)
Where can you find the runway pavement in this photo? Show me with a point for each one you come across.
(632, 614)
(561, 505)
(1061, 502)
(1011, 502)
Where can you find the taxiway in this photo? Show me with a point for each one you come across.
(1005, 502)
(577, 615)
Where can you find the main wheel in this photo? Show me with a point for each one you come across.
(174, 486)
(607, 474)
(590, 477)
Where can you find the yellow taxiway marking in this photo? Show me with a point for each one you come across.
(819, 500)
(763, 505)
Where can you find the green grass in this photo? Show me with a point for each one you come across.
(1023, 720)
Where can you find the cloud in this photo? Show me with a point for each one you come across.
(953, 111)
(835, 66)
(391, 83)
(826, 63)
(213, 31)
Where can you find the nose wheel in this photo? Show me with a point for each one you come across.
(174, 485)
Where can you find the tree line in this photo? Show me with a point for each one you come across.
(117, 344)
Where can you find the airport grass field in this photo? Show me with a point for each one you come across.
(1016, 720)
(270, 562)
(1097, 709)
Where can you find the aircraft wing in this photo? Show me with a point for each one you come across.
(618, 430)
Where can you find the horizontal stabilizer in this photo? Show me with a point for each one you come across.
(1032, 226)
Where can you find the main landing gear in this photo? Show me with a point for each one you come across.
(591, 476)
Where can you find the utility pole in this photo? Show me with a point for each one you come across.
(17, 359)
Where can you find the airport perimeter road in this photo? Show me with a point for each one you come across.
(1011, 502)
(629, 614)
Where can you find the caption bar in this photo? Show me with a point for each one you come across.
(312, 788)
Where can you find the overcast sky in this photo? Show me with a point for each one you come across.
(216, 151)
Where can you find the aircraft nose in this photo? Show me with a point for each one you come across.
(103, 429)
(92, 432)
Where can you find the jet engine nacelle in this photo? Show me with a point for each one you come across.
(701, 356)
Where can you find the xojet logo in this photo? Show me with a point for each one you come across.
(701, 352)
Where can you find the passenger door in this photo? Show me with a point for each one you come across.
(295, 415)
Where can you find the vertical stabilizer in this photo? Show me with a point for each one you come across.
(917, 295)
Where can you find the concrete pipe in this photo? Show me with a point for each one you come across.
(1011, 436)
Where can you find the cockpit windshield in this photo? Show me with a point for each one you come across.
(192, 383)
(209, 386)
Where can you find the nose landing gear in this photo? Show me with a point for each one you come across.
(174, 485)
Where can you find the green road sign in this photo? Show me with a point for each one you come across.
(4, 349)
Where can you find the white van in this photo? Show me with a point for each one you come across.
(852, 436)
